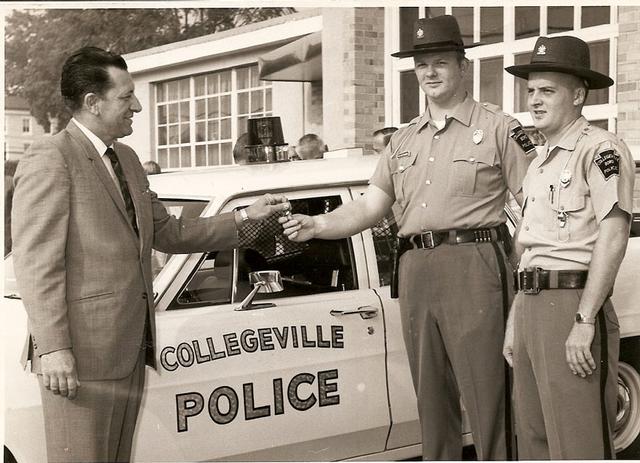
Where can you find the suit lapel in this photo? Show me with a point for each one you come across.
(103, 174)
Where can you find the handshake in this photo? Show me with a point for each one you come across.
(269, 205)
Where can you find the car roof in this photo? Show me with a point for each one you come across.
(237, 180)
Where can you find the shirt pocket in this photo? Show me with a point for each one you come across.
(469, 171)
(402, 171)
(564, 215)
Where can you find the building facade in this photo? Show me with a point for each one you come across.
(198, 94)
(20, 127)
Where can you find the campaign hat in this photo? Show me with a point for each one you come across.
(437, 34)
(565, 54)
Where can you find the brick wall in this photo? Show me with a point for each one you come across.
(628, 74)
(353, 73)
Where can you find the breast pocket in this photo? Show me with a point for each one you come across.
(469, 170)
(563, 218)
(402, 170)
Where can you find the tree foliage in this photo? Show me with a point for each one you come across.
(38, 41)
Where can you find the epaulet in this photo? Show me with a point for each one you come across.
(597, 135)
(414, 120)
(492, 108)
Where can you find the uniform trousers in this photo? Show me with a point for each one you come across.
(98, 425)
(560, 415)
(451, 305)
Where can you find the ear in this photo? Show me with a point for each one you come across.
(464, 66)
(579, 96)
(90, 103)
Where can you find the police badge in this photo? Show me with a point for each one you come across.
(477, 137)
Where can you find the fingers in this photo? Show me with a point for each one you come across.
(73, 386)
(580, 361)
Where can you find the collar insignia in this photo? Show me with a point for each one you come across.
(542, 50)
(419, 33)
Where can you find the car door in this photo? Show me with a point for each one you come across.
(300, 376)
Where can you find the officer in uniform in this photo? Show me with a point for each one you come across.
(447, 174)
(563, 335)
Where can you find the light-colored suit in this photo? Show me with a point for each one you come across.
(83, 273)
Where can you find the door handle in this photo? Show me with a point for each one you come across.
(366, 312)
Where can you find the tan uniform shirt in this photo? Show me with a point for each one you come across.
(457, 177)
(568, 190)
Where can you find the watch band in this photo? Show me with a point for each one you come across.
(580, 318)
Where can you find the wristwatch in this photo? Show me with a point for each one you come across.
(586, 320)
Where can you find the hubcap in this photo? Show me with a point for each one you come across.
(627, 426)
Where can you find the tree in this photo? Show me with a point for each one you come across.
(38, 41)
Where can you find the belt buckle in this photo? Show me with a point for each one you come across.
(535, 287)
(430, 244)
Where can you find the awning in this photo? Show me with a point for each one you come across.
(297, 61)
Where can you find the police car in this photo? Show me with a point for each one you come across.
(315, 371)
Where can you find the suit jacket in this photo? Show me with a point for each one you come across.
(83, 273)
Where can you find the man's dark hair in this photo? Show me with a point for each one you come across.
(386, 133)
(85, 71)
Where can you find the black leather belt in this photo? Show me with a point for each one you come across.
(432, 239)
(532, 281)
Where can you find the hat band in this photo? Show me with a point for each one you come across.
(446, 43)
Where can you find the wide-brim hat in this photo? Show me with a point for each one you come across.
(440, 33)
(565, 54)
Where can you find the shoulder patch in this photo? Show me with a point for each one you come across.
(522, 139)
(608, 161)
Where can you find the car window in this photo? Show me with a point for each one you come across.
(179, 208)
(315, 267)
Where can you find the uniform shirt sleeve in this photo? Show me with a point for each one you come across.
(610, 174)
(382, 175)
(517, 153)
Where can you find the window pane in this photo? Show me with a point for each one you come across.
(185, 156)
(174, 157)
(225, 81)
(527, 21)
(225, 129)
(409, 96)
(468, 78)
(173, 112)
(213, 155)
(184, 88)
(212, 84)
(559, 19)
(172, 90)
(184, 133)
(268, 103)
(242, 78)
(210, 285)
(491, 80)
(162, 135)
(212, 132)
(243, 103)
(162, 158)
(595, 15)
(225, 154)
(201, 155)
(201, 109)
(599, 62)
(173, 134)
(199, 85)
(408, 17)
(433, 11)
(521, 84)
(491, 24)
(212, 107)
(242, 125)
(184, 111)
(257, 105)
(255, 81)
(464, 15)
(201, 134)
(162, 114)
(160, 92)
(225, 105)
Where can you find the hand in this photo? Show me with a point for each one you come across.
(578, 349)
(59, 373)
(507, 346)
(267, 205)
(298, 227)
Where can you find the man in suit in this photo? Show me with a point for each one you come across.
(84, 224)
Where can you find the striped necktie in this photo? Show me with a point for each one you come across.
(128, 202)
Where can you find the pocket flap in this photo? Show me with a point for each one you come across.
(484, 156)
(571, 203)
(402, 160)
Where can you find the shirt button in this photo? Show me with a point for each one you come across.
(428, 182)
(437, 137)
(540, 170)
(533, 200)
(401, 168)
(431, 159)
(529, 249)
(526, 227)
(424, 204)
(472, 159)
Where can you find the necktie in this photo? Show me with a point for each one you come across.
(128, 202)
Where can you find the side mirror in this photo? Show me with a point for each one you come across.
(264, 281)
